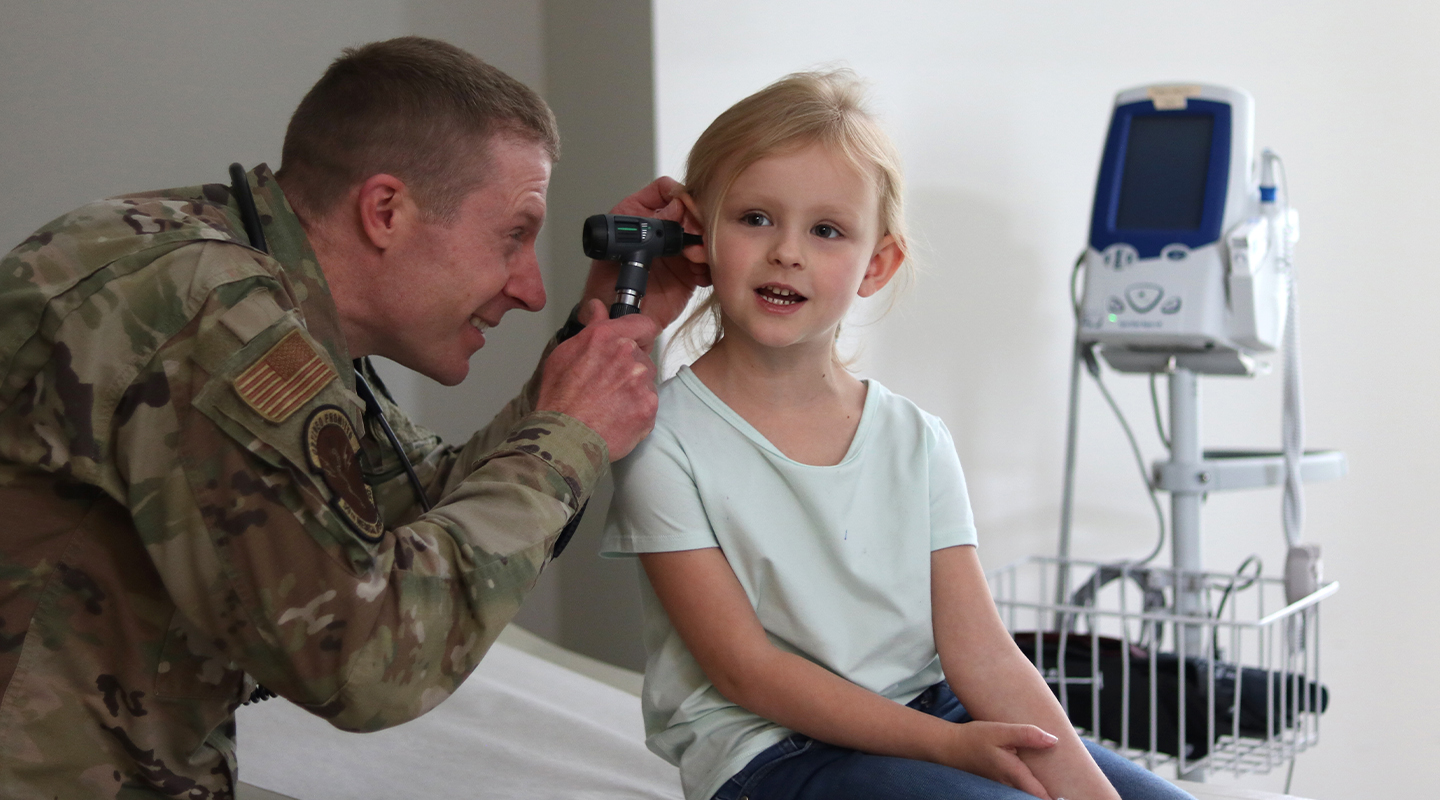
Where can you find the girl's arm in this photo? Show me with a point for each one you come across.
(996, 682)
(713, 616)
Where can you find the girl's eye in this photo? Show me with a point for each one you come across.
(755, 219)
(825, 231)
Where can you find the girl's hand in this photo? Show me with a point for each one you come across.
(991, 750)
(712, 613)
(997, 683)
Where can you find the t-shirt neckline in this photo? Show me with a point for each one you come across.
(709, 398)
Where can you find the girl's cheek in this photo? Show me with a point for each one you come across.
(721, 261)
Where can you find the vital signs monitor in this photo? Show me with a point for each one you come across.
(1188, 256)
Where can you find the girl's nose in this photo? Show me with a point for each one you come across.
(785, 249)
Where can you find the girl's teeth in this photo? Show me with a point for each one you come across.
(479, 324)
(780, 297)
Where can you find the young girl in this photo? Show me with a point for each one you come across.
(813, 593)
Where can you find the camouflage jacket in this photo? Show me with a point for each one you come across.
(191, 497)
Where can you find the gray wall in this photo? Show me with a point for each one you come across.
(600, 84)
(98, 99)
(103, 98)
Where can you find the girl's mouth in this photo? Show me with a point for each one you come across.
(779, 296)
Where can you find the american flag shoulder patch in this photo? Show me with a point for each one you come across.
(284, 379)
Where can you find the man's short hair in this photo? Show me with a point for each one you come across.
(420, 109)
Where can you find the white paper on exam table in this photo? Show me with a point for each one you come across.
(537, 698)
(519, 727)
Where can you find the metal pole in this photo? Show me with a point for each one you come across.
(1186, 454)
(1187, 457)
(1067, 495)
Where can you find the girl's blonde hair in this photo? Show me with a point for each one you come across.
(799, 110)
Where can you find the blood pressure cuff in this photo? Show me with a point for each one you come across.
(1281, 694)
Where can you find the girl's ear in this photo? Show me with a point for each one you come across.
(883, 265)
(698, 253)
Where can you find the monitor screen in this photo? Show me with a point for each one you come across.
(1162, 181)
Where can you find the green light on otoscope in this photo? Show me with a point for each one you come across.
(1113, 317)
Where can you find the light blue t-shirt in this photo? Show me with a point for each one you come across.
(835, 560)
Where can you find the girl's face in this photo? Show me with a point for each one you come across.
(797, 240)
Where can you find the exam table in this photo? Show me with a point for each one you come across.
(533, 721)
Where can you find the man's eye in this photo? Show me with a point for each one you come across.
(826, 231)
(755, 219)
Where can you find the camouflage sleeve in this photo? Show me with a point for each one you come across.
(439, 467)
(256, 515)
(510, 416)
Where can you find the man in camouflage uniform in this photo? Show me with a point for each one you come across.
(195, 499)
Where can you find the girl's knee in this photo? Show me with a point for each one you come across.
(1132, 781)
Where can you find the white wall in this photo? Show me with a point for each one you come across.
(1000, 111)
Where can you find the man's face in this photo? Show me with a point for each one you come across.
(450, 282)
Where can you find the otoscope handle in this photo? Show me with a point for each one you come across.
(629, 288)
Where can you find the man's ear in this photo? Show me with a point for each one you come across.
(883, 265)
(387, 210)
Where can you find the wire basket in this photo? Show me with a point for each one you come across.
(1233, 687)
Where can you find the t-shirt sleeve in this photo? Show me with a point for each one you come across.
(951, 520)
(657, 506)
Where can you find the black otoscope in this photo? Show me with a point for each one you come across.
(634, 242)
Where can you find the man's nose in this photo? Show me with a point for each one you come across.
(525, 285)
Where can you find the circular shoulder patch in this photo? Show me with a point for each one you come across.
(333, 450)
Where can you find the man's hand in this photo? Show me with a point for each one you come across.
(603, 377)
(673, 279)
(989, 749)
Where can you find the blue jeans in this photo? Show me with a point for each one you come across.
(804, 769)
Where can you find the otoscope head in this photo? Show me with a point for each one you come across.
(634, 242)
(616, 237)
(596, 237)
